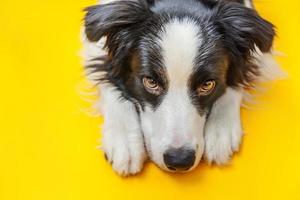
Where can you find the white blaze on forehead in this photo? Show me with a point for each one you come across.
(180, 42)
(176, 122)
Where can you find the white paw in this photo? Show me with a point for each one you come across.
(222, 139)
(126, 155)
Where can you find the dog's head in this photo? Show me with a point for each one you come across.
(173, 59)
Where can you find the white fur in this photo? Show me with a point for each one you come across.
(106, 1)
(223, 129)
(122, 136)
(180, 43)
(269, 68)
(122, 139)
(90, 51)
(248, 3)
(176, 122)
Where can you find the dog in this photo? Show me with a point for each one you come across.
(172, 75)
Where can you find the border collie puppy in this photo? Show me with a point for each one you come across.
(172, 74)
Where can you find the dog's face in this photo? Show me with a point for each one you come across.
(179, 78)
(173, 59)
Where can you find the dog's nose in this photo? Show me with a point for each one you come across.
(181, 159)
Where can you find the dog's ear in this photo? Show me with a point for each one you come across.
(243, 32)
(244, 29)
(103, 19)
(122, 23)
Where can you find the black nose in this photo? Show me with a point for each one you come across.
(180, 159)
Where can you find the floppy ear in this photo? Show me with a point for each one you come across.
(103, 19)
(244, 28)
(243, 31)
(121, 22)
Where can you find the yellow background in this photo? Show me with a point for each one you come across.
(48, 143)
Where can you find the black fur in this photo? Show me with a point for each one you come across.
(230, 32)
(242, 28)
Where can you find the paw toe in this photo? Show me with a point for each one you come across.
(219, 148)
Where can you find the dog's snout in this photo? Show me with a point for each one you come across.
(181, 159)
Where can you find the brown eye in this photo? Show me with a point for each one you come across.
(151, 85)
(206, 88)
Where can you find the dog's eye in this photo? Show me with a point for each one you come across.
(206, 88)
(151, 86)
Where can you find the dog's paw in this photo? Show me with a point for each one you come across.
(126, 157)
(222, 139)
